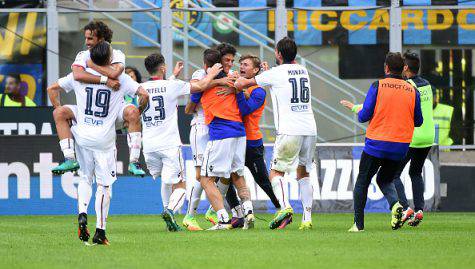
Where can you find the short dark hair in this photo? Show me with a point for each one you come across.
(211, 57)
(412, 60)
(16, 77)
(226, 48)
(256, 62)
(136, 72)
(100, 29)
(153, 62)
(287, 48)
(101, 53)
(395, 62)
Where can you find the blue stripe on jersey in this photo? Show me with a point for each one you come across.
(222, 129)
(386, 150)
(254, 143)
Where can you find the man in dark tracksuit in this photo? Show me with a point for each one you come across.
(392, 107)
(251, 104)
(420, 146)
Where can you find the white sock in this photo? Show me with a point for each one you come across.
(166, 192)
(223, 188)
(237, 212)
(134, 140)
(84, 195)
(306, 196)
(177, 199)
(279, 186)
(222, 215)
(103, 198)
(247, 206)
(67, 146)
(194, 199)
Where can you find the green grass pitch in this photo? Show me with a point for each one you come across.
(442, 241)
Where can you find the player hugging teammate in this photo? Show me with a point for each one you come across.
(225, 134)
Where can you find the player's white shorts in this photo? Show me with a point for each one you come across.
(166, 163)
(223, 157)
(288, 147)
(199, 136)
(119, 122)
(99, 164)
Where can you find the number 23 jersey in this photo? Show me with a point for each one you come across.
(97, 109)
(291, 99)
(160, 117)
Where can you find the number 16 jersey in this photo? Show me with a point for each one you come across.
(160, 117)
(291, 99)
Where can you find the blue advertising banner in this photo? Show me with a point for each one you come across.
(321, 27)
(27, 186)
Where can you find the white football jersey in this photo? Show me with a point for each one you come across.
(199, 115)
(291, 99)
(82, 57)
(97, 109)
(160, 118)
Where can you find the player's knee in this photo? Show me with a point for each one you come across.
(104, 190)
(60, 113)
(302, 172)
(226, 181)
(131, 114)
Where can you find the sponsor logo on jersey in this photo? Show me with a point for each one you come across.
(92, 121)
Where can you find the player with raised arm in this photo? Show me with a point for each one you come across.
(296, 129)
(199, 138)
(225, 151)
(161, 138)
(251, 102)
(95, 32)
(96, 112)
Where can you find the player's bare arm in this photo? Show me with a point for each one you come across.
(143, 98)
(178, 68)
(353, 107)
(112, 71)
(204, 84)
(242, 83)
(190, 108)
(53, 94)
(81, 75)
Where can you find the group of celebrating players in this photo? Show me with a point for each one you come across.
(225, 135)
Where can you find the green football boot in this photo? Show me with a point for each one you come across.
(169, 219)
(307, 225)
(396, 216)
(69, 165)
(136, 170)
(211, 216)
(281, 216)
(191, 224)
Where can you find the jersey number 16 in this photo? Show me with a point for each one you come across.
(304, 91)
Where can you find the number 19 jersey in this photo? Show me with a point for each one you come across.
(160, 117)
(291, 99)
(97, 109)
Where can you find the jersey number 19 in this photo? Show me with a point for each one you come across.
(102, 101)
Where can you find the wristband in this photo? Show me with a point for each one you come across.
(356, 108)
(104, 79)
